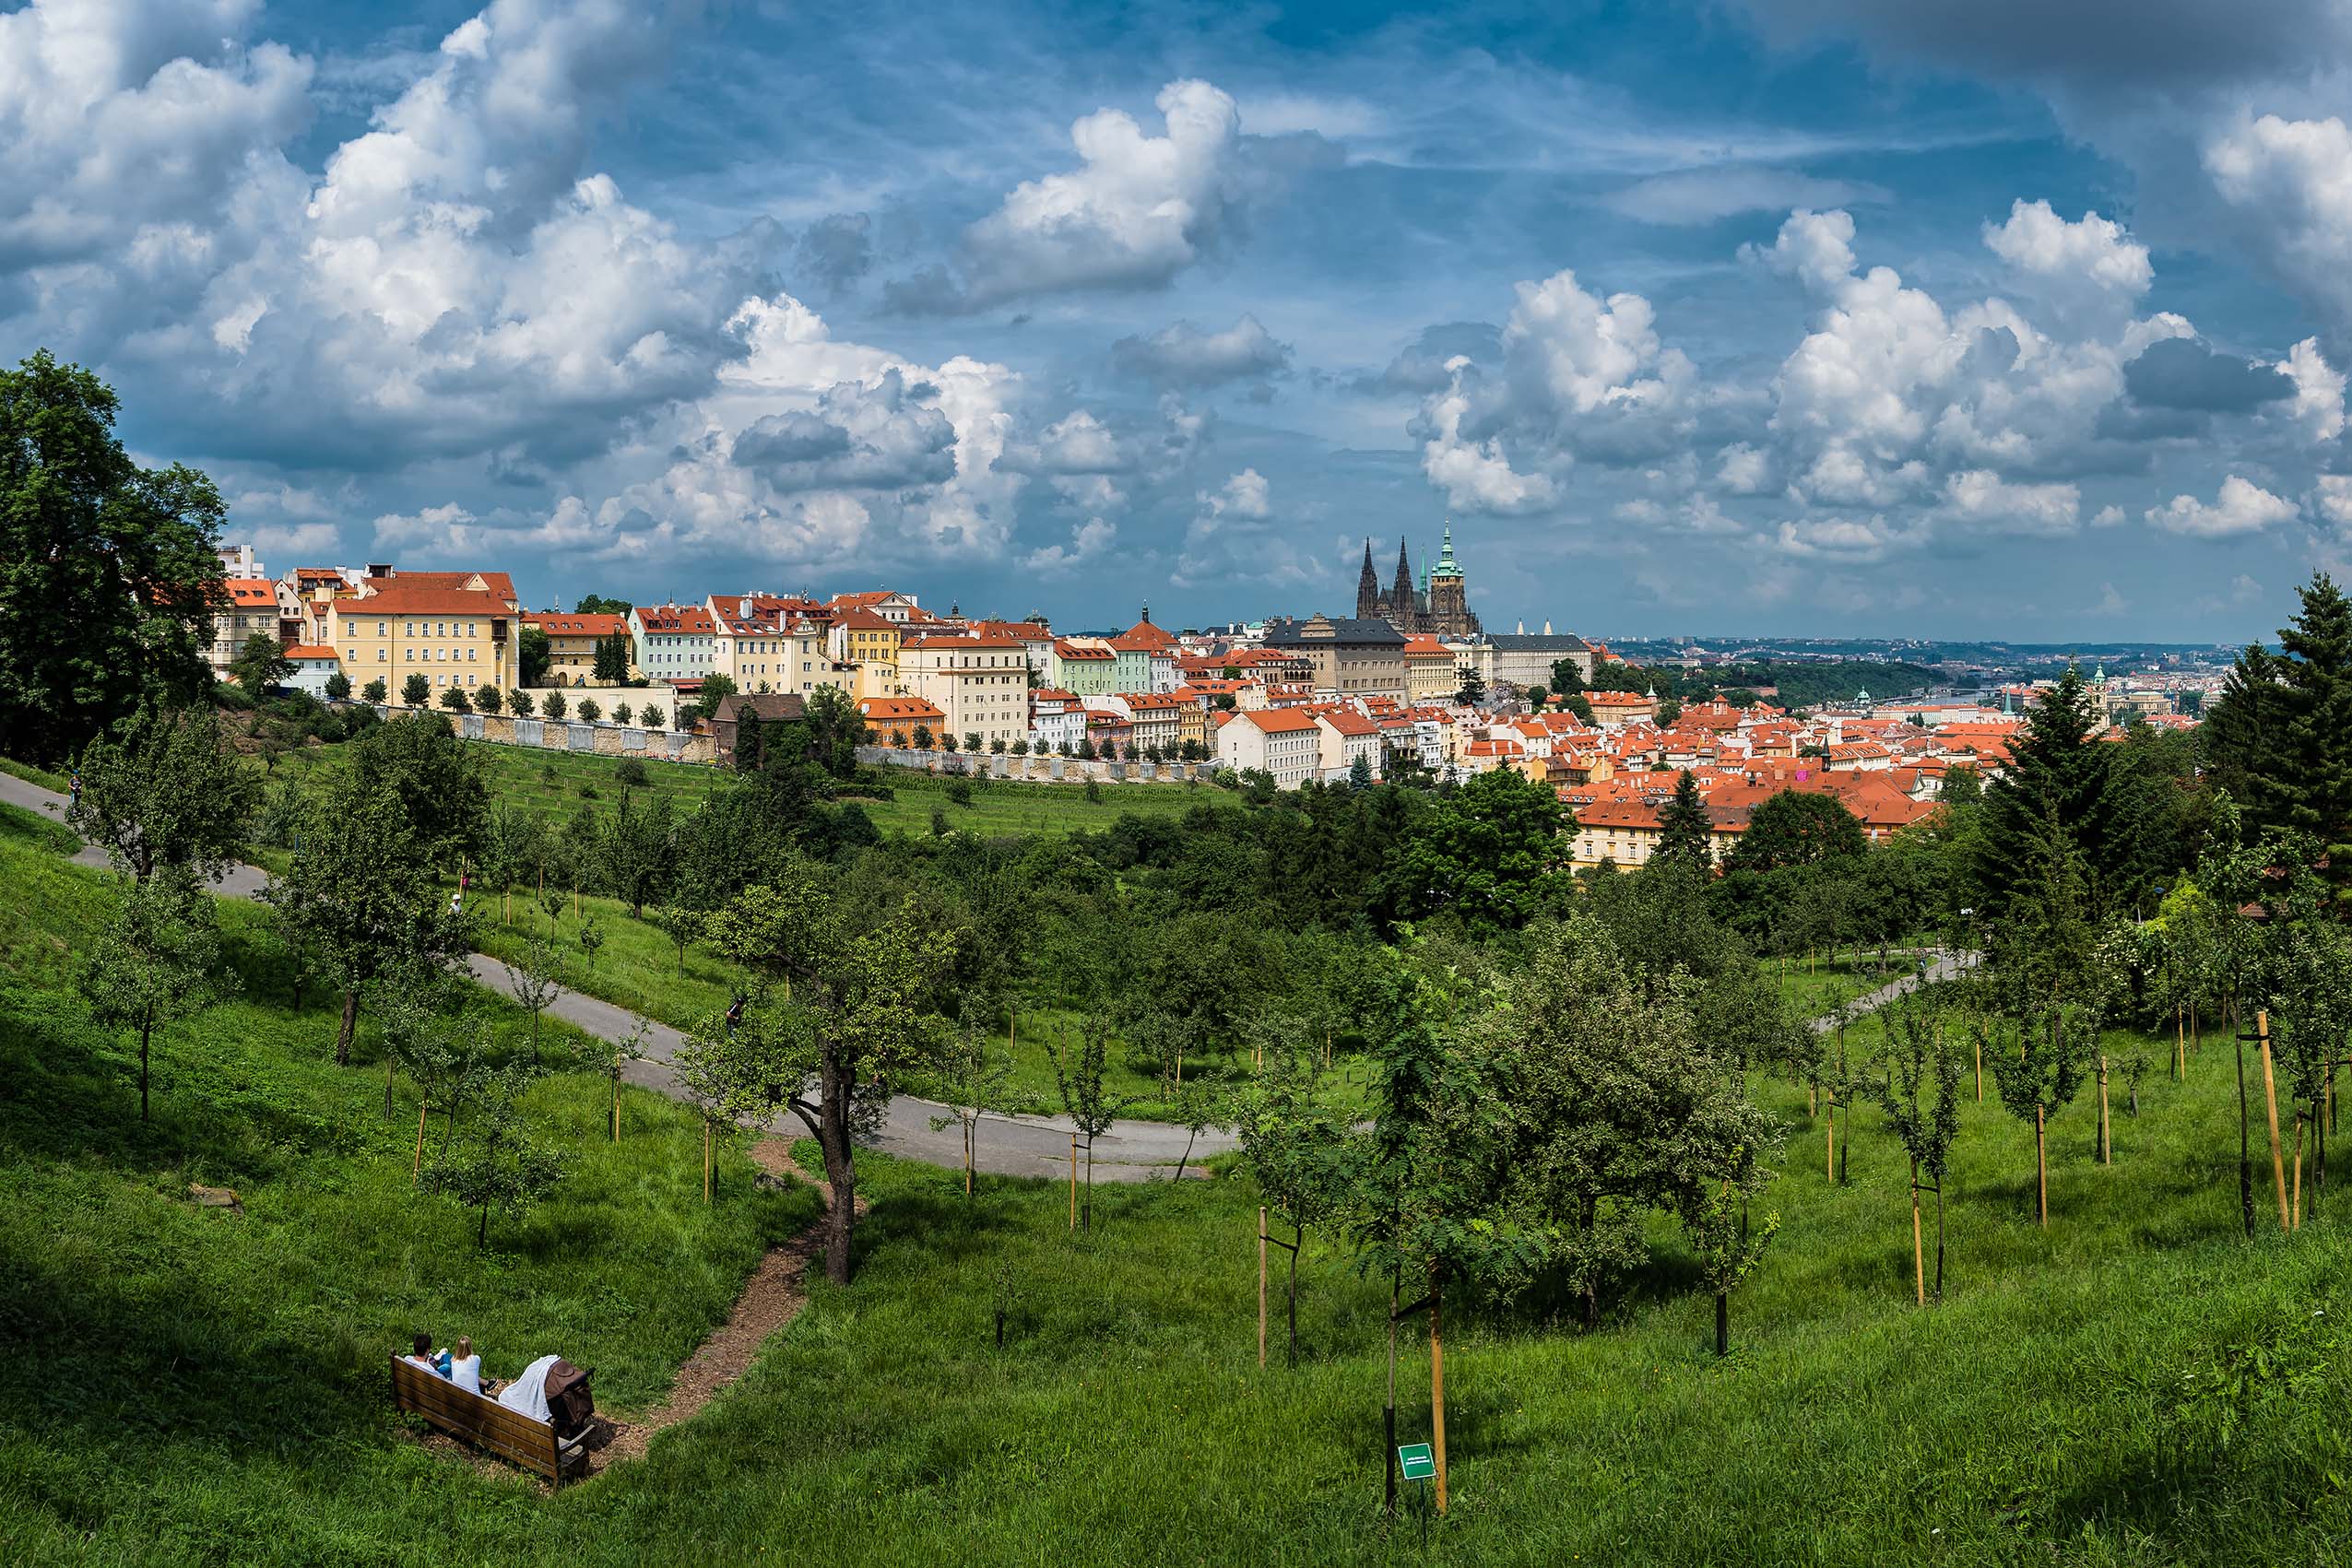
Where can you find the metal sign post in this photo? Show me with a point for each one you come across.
(1415, 1462)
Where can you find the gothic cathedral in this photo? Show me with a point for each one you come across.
(1439, 607)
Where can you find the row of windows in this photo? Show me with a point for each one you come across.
(440, 629)
(427, 655)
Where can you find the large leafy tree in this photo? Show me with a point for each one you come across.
(359, 902)
(164, 793)
(109, 585)
(850, 1004)
(418, 760)
(1797, 828)
(260, 665)
(1624, 1101)
(836, 730)
(532, 655)
(1494, 853)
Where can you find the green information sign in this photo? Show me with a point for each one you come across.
(1416, 1461)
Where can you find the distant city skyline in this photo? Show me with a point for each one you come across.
(1818, 317)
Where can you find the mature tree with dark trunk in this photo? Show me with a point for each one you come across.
(848, 1004)
(110, 587)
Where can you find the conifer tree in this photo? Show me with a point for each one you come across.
(2055, 778)
(2312, 768)
(1684, 826)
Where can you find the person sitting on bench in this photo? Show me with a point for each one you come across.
(424, 1357)
(464, 1367)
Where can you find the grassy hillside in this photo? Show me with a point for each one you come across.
(190, 1385)
(2137, 1384)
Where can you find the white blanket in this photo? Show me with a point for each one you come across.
(527, 1393)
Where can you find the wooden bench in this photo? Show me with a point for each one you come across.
(483, 1421)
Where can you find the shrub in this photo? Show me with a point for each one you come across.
(338, 686)
(416, 691)
(519, 701)
(374, 690)
(651, 717)
(490, 699)
(959, 791)
(590, 710)
(454, 698)
(631, 771)
(555, 707)
(622, 714)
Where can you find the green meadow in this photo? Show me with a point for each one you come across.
(2136, 1384)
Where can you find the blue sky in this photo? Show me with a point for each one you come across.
(1814, 316)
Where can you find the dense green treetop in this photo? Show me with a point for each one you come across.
(109, 583)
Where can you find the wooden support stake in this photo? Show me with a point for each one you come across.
(706, 1160)
(417, 1169)
(1980, 1070)
(1829, 1140)
(1261, 1287)
(2106, 1127)
(1919, 1249)
(1438, 1384)
(2179, 1044)
(2295, 1209)
(2270, 1102)
(1073, 1181)
(2041, 1168)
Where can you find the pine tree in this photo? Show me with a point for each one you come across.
(2055, 777)
(2242, 734)
(2312, 764)
(1684, 826)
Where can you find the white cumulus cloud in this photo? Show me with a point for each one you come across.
(2242, 507)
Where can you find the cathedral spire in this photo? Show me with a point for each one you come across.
(1367, 586)
(1404, 605)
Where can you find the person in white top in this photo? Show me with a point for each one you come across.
(464, 1367)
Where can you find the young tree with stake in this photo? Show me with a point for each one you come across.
(496, 1164)
(973, 1078)
(1429, 1197)
(1079, 1074)
(155, 963)
(1920, 1053)
(1295, 1148)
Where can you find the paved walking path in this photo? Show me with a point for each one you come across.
(1008, 1145)
(1943, 966)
